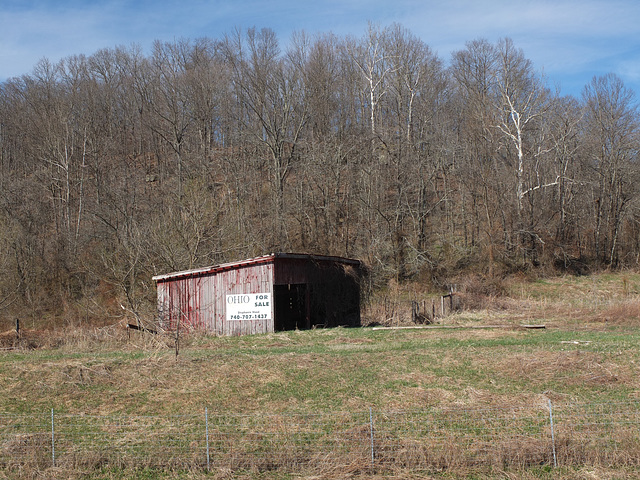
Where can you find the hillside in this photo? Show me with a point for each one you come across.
(123, 165)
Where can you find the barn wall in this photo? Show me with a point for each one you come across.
(200, 301)
(247, 279)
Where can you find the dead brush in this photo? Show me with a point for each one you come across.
(622, 312)
(332, 465)
(31, 451)
(342, 464)
(620, 447)
(478, 292)
(111, 337)
(407, 455)
(25, 339)
(130, 453)
(88, 461)
(452, 454)
(522, 452)
(316, 445)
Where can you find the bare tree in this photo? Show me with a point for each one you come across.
(160, 84)
(612, 124)
(522, 100)
(272, 90)
(564, 120)
(369, 55)
(207, 86)
(480, 169)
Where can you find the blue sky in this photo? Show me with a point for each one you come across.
(569, 40)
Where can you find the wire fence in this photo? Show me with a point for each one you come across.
(355, 442)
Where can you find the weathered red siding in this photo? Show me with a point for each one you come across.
(189, 299)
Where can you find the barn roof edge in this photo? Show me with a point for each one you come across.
(252, 261)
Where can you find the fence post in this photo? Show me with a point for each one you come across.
(373, 464)
(53, 440)
(206, 423)
(553, 436)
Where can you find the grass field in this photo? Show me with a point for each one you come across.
(589, 351)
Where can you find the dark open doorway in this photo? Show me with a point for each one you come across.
(292, 307)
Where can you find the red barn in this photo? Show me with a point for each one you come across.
(280, 291)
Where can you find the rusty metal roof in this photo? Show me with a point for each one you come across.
(253, 261)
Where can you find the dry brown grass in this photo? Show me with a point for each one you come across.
(575, 367)
(588, 353)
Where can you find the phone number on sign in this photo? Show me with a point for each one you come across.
(249, 316)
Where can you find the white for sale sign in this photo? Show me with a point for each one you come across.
(249, 306)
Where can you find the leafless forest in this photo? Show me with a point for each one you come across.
(125, 164)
